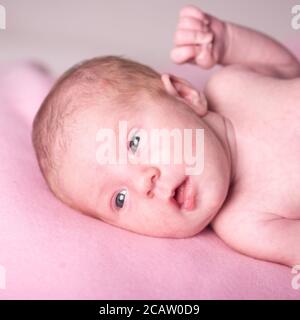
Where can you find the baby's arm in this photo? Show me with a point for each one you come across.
(206, 41)
(259, 52)
(264, 236)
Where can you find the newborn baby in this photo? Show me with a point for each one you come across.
(248, 190)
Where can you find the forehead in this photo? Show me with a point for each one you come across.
(79, 164)
(89, 121)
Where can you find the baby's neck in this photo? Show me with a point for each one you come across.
(224, 130)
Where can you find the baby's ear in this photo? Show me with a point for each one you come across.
(184, 90)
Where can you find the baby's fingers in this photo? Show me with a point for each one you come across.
(204, 57)
(183, 54)
(201, 55)
(193, 11)
(192, 37)
(190, 23)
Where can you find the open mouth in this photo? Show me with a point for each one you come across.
(184, 195)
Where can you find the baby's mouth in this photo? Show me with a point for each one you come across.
(184, 195)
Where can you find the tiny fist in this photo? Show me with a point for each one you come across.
(182, 54)
(205, 58)
(204, 38)
(176, 56)
(192, 37)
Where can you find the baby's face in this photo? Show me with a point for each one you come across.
(155, 199)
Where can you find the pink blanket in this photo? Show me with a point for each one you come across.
(48, 250)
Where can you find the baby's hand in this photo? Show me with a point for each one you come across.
(199, 38)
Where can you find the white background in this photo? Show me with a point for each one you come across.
(60, 33)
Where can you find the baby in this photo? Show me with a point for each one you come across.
(248, 190)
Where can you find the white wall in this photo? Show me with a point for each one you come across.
(62, 32)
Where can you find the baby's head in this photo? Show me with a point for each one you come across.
(152, 198)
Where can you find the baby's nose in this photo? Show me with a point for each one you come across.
(147, 180)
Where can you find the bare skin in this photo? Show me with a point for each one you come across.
(258, 92)
(249, 110)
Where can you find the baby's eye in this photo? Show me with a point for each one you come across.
(133, 143)
(120, 199)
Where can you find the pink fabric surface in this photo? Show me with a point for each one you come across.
(50, 251)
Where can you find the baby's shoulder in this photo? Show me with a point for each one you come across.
(236, 74)
(261, 235)
(233, 81)
(233, 91)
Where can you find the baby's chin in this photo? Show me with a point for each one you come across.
(189, 229)
(174, 234)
